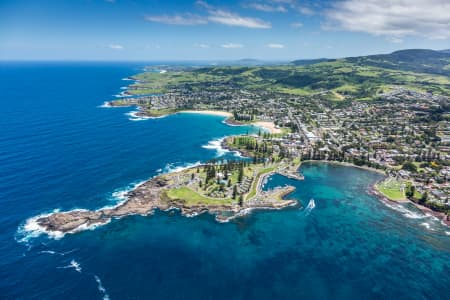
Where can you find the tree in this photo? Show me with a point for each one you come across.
(409, 166)
(424, 198)
(241, 174)
(409, 191)
(241, 200)
(234, 192)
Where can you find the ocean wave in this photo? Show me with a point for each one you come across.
(105, 105)
(118, 196)
(405, 212)
(447, 232)
(217, 146)
(133, 116)
(174, 167)
(48, 252)
(31, 229)
(427, 226)
(51, 252)
(101, 288)
(73, 264)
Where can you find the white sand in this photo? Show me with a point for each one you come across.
(209, 112)
(268, 125)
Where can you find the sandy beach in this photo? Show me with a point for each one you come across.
(209, 112)
(268, 125)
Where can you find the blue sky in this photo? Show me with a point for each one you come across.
(217, 30)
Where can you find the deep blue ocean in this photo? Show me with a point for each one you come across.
(60, 150)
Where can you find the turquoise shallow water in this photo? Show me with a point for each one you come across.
(59, 150)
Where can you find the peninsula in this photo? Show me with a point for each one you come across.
(225, 189)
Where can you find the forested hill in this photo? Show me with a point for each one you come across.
(416, 60)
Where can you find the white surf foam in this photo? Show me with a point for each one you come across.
(101, 288)
(73, 264)
(106, 105)
(217, 146)
(47, 252)
(31, 229)
(127, 79)
(133, 116)
(427, 226)
(174, 167)
(447, 232)
(404, 211)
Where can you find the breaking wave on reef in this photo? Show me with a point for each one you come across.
(174, 167)
(134, 116)
(404, 211)
(216, 145)
(30, 229)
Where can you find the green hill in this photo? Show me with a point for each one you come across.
(416, 60)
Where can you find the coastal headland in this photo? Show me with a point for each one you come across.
(227, 190)
(142, 112)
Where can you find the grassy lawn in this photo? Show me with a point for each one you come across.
(252, 192)
(193, 198)
(391, 188)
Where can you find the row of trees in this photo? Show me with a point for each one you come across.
(250, 143)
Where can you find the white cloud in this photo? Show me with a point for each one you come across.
(397, 18)
(306, 11)
(215, 15)
(186, 19)
(233, 19)
(228, 18)
(204, 46)
(394, 40)
(266, 7)
(297, 25)
(116, 47)
(232, 46)
(276, 46)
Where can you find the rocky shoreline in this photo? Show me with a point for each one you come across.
(441, 216)
(149, 196)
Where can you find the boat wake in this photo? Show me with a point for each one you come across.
(311, 205)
